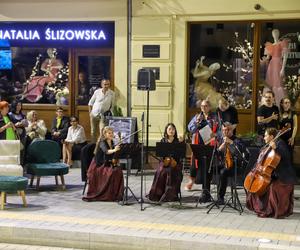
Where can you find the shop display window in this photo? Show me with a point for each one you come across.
(37, 75)
(221, 63)
(280, 61)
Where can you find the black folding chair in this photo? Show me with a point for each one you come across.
(86, 157)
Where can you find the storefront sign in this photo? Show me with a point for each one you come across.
(151, 51)
(68, 34)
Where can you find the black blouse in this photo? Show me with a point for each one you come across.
(101, 154)
(284, 171)
(174, 156)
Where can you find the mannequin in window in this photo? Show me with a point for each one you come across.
(203, 89)
(277, 56)
(51, 66)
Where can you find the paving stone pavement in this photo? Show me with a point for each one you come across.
(61, 219)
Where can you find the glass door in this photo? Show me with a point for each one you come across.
(91, 66)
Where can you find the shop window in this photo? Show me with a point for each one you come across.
(221, 63)
(280, 61)
(37, 75)
(92, 69)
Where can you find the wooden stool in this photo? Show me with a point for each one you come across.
(9, 184)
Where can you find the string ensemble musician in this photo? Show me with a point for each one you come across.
(277, 200)
(169, 173)
(230, 147)
(105, 177)
(205, 118)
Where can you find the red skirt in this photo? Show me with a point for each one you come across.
(105, 183)
(167, 180)
(277, 202)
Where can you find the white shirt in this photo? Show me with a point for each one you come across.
(76, 135)
(101, 102)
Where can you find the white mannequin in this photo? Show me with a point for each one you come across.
(275, 35)
(277, 57)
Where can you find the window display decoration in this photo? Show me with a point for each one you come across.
(52, 85)
(208, 86)
(292, 86)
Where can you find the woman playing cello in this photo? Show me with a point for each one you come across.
(277, 200)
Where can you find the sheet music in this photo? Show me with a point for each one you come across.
(205, 134)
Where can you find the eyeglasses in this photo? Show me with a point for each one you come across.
(73, 121)
(287, 102)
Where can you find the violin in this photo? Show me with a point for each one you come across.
(115, 161)
(259, 178)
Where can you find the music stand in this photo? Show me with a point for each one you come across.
(202, 153)
(234, 201)
(127, 151)
(165, 149)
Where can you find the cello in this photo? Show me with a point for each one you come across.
(259, 178)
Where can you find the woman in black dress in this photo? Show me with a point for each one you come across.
(168, 176)
(288, 119)
(19, 119)
(105, 177)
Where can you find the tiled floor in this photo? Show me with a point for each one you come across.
(61, 219)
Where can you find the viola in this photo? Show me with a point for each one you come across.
(259, 178)
(169, 161)
(228, 158)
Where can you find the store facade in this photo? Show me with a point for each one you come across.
(59, 62)
(169, 37)
(229, 41)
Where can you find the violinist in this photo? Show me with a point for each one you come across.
(168, 176)
(105, 178)
(230, 147)
(199, 121)
(277, 201)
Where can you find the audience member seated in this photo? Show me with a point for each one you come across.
(74, 142)
(36, 128)
(60, 126)
(105, 177)
(18, 119)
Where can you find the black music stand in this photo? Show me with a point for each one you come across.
(234, 201)
(202, 153)
(165, 149)
(128, 151)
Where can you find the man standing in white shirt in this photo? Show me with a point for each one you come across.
(100, 106)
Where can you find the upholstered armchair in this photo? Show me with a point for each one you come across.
(43, 159)
(10, 158)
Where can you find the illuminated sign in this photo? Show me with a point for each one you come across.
(69, 34)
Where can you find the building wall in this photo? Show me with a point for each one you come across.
(165, 23)
(154, 22)
(76, 10)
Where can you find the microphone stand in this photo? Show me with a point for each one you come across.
(142, 161)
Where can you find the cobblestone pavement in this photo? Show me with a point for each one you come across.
(61, 219)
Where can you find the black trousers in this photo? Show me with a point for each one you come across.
(223, 181)
(202, 174)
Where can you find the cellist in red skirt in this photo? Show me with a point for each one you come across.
(199, 121)
(278, 199)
